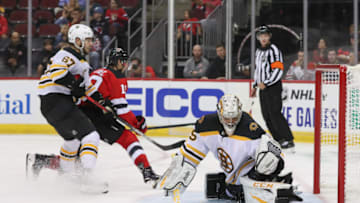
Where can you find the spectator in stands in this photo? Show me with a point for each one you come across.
(64, 18)
(188, 33)
(15, 53)
(70, 5)
(197, 65)
(3, 24)
(100, 26)
(136, 69)
(92, 6)
(331, 57)
(320, 54)
(76, 16)
(298, 71)
(346, 53)
(217, 67)
(117, 16)
(198, 9)
(118, 19)
(61, 38)
(210, 6)
(46, 53)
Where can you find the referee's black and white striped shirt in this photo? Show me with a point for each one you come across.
(269, 66)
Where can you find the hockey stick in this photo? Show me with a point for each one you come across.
(170, 126)
(135, 130)
(251, 105)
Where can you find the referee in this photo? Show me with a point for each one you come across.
(268, 72)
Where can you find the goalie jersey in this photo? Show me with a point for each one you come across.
(235, 153)
(64, 62)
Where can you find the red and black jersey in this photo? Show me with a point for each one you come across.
(114, 87)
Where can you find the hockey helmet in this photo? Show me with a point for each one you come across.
(263, 30)
(229, 112)
(115, 55)
(79, 31)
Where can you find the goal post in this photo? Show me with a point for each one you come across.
(337, 132)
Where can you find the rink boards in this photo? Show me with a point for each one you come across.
(165, 102)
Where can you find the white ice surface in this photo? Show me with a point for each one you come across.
(114, 166)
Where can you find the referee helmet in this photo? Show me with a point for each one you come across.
(263, 30)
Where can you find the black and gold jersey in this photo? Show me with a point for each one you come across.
(247, 127)
(235, 153)
(66, 63)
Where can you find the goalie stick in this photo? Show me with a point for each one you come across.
(134, 130)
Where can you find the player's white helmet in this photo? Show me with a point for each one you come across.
(79, 31)
(229, 112)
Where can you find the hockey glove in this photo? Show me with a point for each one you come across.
(141, 124)
(77, 90)
(109, 115)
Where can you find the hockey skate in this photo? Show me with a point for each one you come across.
(149, 176)
(288, 146)
(36, 162)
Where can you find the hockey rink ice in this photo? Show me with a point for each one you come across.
(125, 181)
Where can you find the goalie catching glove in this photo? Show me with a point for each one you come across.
(178, 176)
(268, 160)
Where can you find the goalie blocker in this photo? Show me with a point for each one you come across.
(250, 159)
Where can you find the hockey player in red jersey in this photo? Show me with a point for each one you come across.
(112, 85)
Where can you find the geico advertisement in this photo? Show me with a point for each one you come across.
(171, 102)
(165, 102)
(162, 102)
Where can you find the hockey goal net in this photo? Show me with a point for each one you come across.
(337, 133)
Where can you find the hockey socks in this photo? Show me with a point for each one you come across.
(131, 144)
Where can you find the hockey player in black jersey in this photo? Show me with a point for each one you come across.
(56, 89)
(110, 131)
(247, 155)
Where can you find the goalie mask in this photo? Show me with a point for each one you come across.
(229, 112)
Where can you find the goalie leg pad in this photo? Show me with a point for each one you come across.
(286, 196)
(178, 176)
(272, 192)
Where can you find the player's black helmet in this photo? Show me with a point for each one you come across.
(115, 55)
(263, 30)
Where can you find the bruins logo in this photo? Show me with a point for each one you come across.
(225, 160)
(253, 126)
